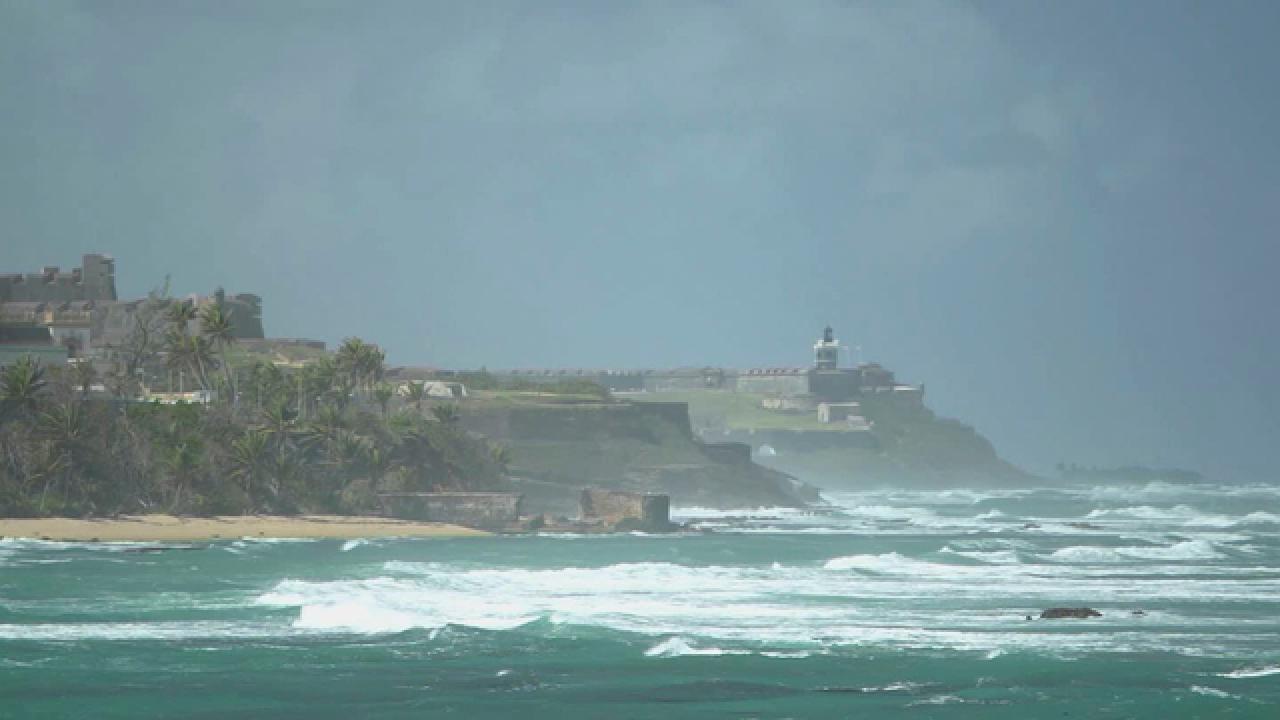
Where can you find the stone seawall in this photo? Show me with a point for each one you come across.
(644, 510)
(487, 511)
(738, 453)
(556, 450)
(585, 422)
(795, 440)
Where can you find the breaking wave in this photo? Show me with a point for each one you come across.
(1252, 672)
(680, 647)
(1186, 550)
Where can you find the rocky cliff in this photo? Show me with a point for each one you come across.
(902, 443)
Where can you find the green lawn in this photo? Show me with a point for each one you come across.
(738, 411)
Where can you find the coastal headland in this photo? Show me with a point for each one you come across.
(172, 528)
(113, 408)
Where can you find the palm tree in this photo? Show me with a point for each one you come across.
(447, 414)
(192, 352)
(382, 393)
(501, 455)
(182, 461)
(63, 427)
(180, 315)
(251, 460)
(416, 392)
(375, 364)
(217, 329)
(21, 386)
(202, 353)
(278, 424)
(363, 364)
(324, 428)
(85, 376)
(350, 361)
(319, 381)
(177, 356)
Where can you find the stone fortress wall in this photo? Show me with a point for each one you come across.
(81, 306)
(95, 279)
(487, 511)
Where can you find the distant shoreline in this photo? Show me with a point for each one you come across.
(171, 528)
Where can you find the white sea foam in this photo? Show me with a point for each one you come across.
(966, 592)
(938, 700)
(15, 544)
(139, 631)
(994, 557)
(767, 513)
(903, 686)
(890, 563)
(680, 647)
(1213, 692)
(1169, 491)
(1182, 516)
(1186, 550)
(786, 654)
(887, 599)
(1252, 672)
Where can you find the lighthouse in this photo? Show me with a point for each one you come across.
(826, 352)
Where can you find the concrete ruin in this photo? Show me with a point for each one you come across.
(626, 510)
(485, 511)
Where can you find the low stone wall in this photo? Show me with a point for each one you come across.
(583, 422)
(799, 440)
(616, 507)
(487, 511)
(736, 453)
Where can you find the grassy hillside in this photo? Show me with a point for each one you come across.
(906, 444)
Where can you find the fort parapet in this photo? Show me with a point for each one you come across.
(95, 279)
(824, 380)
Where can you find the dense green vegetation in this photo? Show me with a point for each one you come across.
(325, 437)
(569, 388)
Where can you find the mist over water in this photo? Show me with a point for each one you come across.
(884, 602)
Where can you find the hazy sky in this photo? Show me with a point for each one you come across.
(1060, 216)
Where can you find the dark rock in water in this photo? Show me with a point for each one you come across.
(1031, 526)
(1085, 526)
(1063, 612)
(1139, 613)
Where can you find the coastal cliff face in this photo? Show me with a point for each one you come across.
(559, 449)
(901, 443)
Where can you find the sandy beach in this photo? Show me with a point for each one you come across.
(169, 528)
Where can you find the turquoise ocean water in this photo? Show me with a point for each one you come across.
(889, 604)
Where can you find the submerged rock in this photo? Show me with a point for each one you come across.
(1085, 526)
(1065, 612)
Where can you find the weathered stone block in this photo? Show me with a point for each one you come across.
(634, 510)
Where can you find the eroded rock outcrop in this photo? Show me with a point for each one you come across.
(1081, 613)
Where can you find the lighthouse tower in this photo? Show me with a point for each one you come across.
(826, 352)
